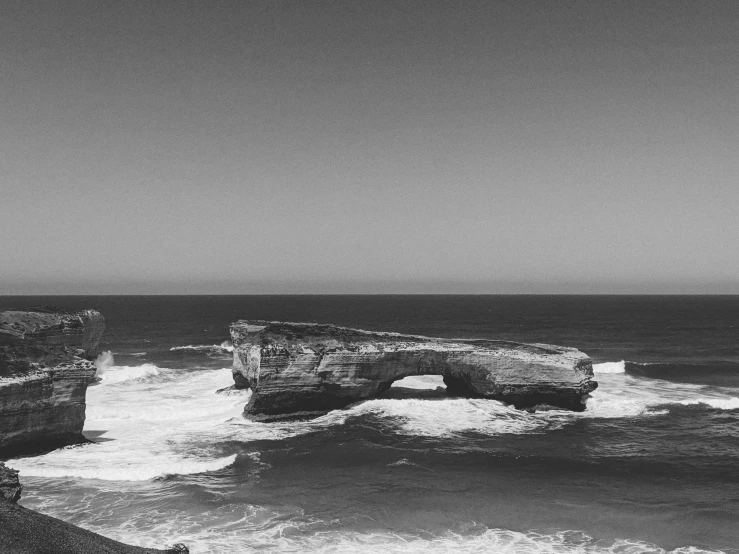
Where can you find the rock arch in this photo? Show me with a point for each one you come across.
(307, 369)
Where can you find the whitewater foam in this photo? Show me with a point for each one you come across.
(107, 372)
(717, 403)
(449, 417)
(152, 470)
(610, 367)
(250, 528)
(172, 423)
(225, 346)
(119, 374)
(622, 395)
(146, 419)
(147, 428)
(619, 395)
(103, 362)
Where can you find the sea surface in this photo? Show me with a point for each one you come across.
(651, 466)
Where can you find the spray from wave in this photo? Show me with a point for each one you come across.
(103, 362)
(107, 372)
(610, 367)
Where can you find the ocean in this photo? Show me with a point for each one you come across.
(651, 466)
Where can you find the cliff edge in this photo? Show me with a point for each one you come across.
(306, 369)
(46, 357)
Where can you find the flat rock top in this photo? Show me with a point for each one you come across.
(44, 336)
(327, 336)
(28, 320)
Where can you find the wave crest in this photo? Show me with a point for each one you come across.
(134, 472)
(276, 531)
(225, 346)
(716, 403)
(107, 372)
(610, 367)
(120, 374)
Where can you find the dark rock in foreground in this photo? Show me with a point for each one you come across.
(45, 367)
(10, 487)
(23, 531)
(305, 369)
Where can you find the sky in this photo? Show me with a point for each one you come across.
(153, 147)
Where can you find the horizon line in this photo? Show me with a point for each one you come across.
(380, 294)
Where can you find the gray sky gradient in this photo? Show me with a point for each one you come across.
(362, 146)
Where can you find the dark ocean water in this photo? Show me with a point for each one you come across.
(652, 465)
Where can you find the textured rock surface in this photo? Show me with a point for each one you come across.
(296, 369)
(45, 366)
(10, 487)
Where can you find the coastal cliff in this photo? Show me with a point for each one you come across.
(46, 364)
(304, 369)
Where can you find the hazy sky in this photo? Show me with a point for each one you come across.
(369, 146)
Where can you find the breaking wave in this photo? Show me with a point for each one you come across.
(619, 395)
(448, 417)
(152, 470)
(610, 367)
(119, 374)
(225, 346)
(501, 541)
(153, 422)
(107, 372)
(718, 403)
(146, 428)
(267, 529)
(712, 372)
(717, 373)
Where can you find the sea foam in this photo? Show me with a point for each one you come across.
(267, 530)
(225, 346)
(610, 367)
(717, 403)
(148, 422)
(107, 372)
(147, 428)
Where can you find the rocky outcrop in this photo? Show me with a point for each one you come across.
(10, 487)
(303, 369)
(46, 365)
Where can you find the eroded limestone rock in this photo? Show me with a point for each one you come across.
(303, 369)
(45, 366)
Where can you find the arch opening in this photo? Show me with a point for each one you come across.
(417, 386)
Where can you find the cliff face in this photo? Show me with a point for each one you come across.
(297, 369)
(45, 366)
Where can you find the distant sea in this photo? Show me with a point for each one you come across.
(651, 466)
